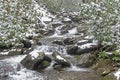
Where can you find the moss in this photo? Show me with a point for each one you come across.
(12, 53)
(45, 64)
(109, 77)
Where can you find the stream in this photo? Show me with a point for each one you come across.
(19, 72)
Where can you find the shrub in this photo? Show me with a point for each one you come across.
(102, 18)
(16, 16)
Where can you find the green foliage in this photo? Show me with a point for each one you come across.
(116, 56)
(102, 55)
(52, 5)
(16, 16)
(102, 18)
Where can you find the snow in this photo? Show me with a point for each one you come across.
(89, 37)
(60, 58)
(81, 41)
(46, 19)
(109, 53)
(73, 31)
(67, 19)
(4, 53)
(34, 54)
(117, 74)
(88, 45)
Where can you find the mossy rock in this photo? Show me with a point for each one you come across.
(15, 52)
(109, 77)
(85, 60)
(104, 67)
(43, 65)
(101, 63)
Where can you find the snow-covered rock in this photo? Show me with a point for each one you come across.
(60, 62)
(46, 19)
(36, 60)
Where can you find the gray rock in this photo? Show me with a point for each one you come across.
(59, 42)
(26, 43)
(60, 62)
(69, 41)
(78, 50)
(63, 32)
(56, 24)
(39, 43)
(38, 63)
(66, 20)
(41, 25)
(47, 19)
(72, 49)
(81, 42)
(85, 60)
(49, 32)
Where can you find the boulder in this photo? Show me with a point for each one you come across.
(66, 20)
(42, 31)
(85, 60)
(60, 62)
(56, 24)
(39, 43)
(81, 42)
(63, 32)
(36, 60)
(49, 32)
(68, 41)
(46, 19)
(41, 25)
(58, 42)
(26, 43)
(78, 50)
(72, 49)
